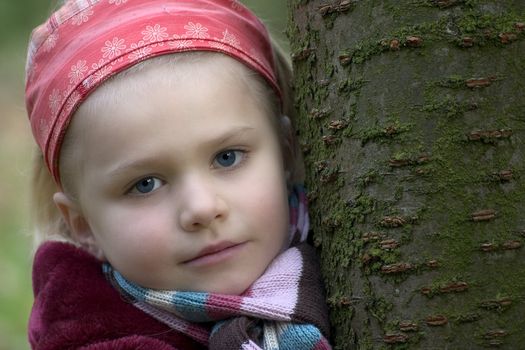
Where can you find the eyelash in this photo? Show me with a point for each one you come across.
(131, 190)
(244, 157)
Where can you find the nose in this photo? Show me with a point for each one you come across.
(201, 206)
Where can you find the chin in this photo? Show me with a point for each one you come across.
(231, 287)
(228, 290)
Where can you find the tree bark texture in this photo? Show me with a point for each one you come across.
(412, 119)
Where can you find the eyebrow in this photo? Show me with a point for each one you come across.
(234, 133)
(218, 141)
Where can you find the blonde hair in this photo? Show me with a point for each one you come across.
(47, 220)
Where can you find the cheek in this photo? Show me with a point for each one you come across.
(270, 192)
(269, 207)
(131, 230)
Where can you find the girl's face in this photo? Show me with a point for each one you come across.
(182, 186)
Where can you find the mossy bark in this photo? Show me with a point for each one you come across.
(412, 119)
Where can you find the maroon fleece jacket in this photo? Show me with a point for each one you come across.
(76, 308)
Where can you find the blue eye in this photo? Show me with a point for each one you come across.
(228, 159)
(146, 185)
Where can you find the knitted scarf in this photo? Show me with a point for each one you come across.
(283, 309)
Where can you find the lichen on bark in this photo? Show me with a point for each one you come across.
(411, 116)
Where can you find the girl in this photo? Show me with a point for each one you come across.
(167, 151)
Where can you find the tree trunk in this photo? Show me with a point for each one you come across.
(412, 119)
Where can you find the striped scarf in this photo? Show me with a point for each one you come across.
(283, 309)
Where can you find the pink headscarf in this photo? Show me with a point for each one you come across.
(87, 41)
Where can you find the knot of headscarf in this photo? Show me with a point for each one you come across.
(282, 309)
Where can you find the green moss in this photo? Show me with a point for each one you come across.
(483, 29)
(466, 317)
(366, 179)
(448, 107)
(398, 193)
(360, 208)
(445, 4)
(457, 180)
(351, 85)
(385, 133)
(379, 308)
(365, 342)
(453, 82)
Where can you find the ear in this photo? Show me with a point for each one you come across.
(79, 228)
(287, 145)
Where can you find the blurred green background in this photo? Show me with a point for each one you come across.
(17, 18)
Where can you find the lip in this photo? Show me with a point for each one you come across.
(214, 254)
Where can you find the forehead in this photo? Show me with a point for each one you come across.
(191, 97)
(170, 71)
